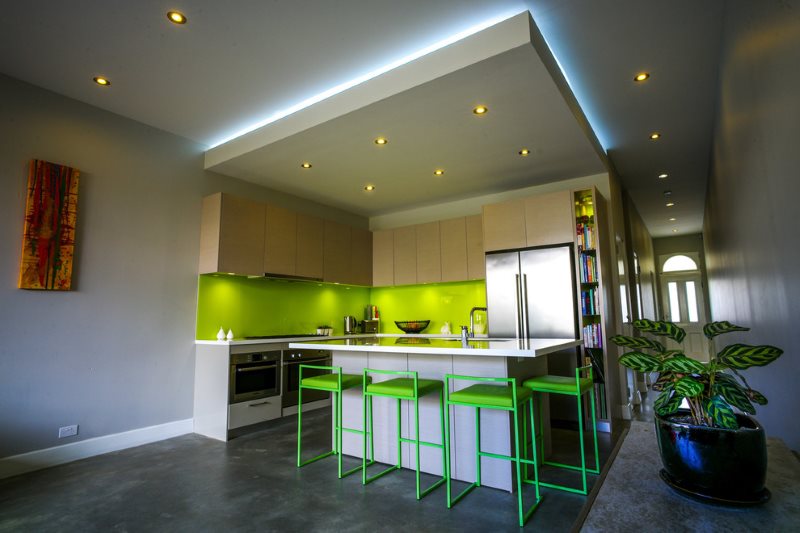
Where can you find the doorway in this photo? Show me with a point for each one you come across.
(684, 304)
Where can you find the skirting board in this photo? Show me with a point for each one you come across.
(38, 459)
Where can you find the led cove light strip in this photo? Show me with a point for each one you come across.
(366, 77)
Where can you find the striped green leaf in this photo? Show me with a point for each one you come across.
(667, 403)
(660, 327)
(741, 356)
(641, 362)
(664, 380)
(637, 342)
(684, 365)
(735, 395)
(689, 387)
(720, 413)
(713, 329)
(671, 353)
(756, 396)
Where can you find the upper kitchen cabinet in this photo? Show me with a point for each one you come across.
(361, 256)
(534, 221)
(337, 244)
(280, 244)
(310, 237)
(548, 219)
(429, 253)
(454, 249)
(405, 255)
(504, 226)
(383, 257)
(476, 259)
(232, 235)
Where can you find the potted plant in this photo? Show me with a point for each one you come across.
(711, 449)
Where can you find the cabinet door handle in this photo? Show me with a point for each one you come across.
(257, 404)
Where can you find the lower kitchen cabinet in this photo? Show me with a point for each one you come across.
(248, 413)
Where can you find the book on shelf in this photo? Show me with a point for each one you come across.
(592, 336)
(588, 269)
(590, 301)
(585, 233)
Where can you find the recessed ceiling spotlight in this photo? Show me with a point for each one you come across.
(524, 152)
(674, 231)
(369, 188)
(667, 194)
(662, 176)
(100, 80)
(306, 165)
(641, 76)
(380, 141)
(176, 17)
(670, 204)
(438, 172)
(655, 136)
(480, 110)
(672, 219)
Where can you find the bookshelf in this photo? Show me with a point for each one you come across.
(588, 243)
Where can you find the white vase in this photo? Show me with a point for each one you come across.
(230, 335)
(221, 334)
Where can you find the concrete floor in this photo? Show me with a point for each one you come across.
(192, 483)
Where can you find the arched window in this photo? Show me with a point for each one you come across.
(679, 263)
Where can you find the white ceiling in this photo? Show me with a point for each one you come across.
(237, 62)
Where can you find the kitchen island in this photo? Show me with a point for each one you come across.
(433, 358)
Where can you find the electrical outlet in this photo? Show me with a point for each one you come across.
(68, 431)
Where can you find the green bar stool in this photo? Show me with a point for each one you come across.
(508, 397)
(334, 382)
(404, 388)
(577, 387)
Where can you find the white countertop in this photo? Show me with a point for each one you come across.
(438, 345)
(284, 340)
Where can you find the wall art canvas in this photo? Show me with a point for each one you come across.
(48, 240)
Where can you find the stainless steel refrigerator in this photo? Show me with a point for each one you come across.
(531, 293)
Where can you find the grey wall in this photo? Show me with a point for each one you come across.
(117, 352)
(751, 236)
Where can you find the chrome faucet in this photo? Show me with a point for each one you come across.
(472, 319)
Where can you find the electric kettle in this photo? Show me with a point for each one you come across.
(350, 325)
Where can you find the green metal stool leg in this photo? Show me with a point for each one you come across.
(594, 431)
(580, 441)
(299, 423)
(445, 472)
(417, 438)
(477, 446)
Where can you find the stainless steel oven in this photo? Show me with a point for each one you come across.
(254, 375)
(292, 359)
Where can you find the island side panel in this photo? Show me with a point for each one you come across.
(211, 376)
(351, 363)
(385, 410)
(495, 427)
(523, 368)
(429, 367)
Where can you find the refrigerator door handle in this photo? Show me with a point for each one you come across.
(517, 297)
(524, 306)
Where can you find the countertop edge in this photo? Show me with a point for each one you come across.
(536, 348)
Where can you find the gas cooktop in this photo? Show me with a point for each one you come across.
(284, 336)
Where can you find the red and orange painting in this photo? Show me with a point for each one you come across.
(48, 240)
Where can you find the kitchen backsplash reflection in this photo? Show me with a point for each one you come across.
(258, 306)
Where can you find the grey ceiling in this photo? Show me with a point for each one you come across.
(236, 62)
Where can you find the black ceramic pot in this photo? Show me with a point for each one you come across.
(722, 466)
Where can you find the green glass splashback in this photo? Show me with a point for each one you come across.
(263, 306)
(437, 302)
(259, 306)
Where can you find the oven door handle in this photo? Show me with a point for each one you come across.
(309, 362)
(256, 368)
